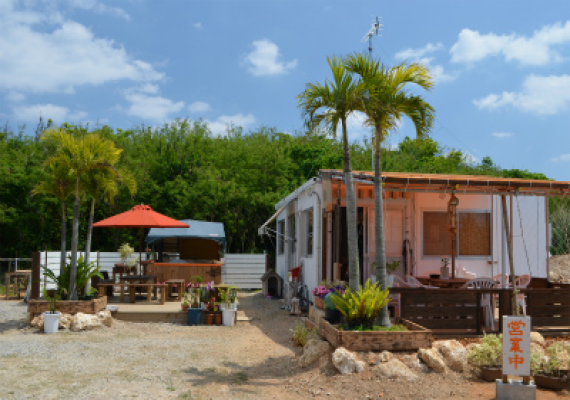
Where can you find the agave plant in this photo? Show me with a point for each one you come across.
(360, 308)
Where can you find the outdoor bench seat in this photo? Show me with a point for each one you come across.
(133, 286)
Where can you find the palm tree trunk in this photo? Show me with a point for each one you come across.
(379, 241)
(88, 241)
(63, 236)
(72, 291)
(351, 231)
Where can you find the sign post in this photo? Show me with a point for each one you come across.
(516, 359)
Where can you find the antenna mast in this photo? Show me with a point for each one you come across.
(372, 32)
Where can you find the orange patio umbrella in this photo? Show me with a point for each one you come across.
(141, 216)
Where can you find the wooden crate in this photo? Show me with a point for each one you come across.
(416, 337)
(69, 306)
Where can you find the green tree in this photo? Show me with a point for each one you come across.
(329, 105)
(386, 103)
(58, 183)
(80, 155)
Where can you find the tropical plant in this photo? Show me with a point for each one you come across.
(489, 352)
(361, 307)
(59, 183)
(51, 300)
(330, 105)
(80, 155)
(386, 102)
(126, 251)
(85, 271)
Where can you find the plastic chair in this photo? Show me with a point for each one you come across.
(522, 282)
(484, 283)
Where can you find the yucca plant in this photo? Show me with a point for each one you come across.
(360, 308)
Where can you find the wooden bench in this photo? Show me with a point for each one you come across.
(133, 287)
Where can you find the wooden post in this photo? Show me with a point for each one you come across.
(35, 275)
(514, 306)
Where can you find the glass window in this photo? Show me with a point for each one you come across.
(280, 236)
(309, 232)
(474, 233)
(436, 235)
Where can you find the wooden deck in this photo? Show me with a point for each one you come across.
(143, 311)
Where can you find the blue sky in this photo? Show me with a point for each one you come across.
(502, 68)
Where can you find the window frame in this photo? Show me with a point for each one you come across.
(308, 231)
(461, 211)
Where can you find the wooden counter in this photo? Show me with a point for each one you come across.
(186, 271)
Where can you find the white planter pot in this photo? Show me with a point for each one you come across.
(231, 307)
(51, 322)
(203, 305)
(228, 317)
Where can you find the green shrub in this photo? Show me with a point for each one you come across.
(301, 334)
(552, 364)
(489, 353)
(361, 308)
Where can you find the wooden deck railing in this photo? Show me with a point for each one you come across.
(459, 310)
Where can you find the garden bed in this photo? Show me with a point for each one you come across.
(69, 306)
(414, 338)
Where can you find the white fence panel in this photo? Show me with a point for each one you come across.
(243, 271)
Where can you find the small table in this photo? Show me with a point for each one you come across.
(23, 273)
(138, 279)
(180, 286)
(451, 283)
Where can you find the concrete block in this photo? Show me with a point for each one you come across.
(514, 390)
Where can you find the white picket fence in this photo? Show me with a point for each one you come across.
(243, 271)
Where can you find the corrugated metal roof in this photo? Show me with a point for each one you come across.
(464, 182)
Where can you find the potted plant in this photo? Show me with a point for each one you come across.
(89, 294)
(233, 296)
(360, 308)
(51, 317)
(205, 293)
(185, 304)
(228, 312)
(548, 370)
(320, 292)
(488, 356)
(331, 313)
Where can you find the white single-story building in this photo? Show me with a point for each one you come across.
(311, 225)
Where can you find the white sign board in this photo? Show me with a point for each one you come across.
(516, 345)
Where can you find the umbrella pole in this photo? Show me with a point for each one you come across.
(140, 250)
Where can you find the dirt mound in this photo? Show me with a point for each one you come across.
(560, 268)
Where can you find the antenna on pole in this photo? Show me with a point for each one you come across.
(372, 32)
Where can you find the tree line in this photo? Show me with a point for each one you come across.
(184, 171)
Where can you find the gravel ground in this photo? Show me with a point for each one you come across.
(160, 361)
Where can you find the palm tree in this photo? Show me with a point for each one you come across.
(80, 155)
(59, 183)
(329, 105)
(386, 102)
(104, 184)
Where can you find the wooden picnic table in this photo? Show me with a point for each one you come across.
(143, 279)
(450, 283)
(16, 275)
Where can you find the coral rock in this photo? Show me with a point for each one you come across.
(65, 321)
(453, 352)
(413, 362)
(536, 337)
(396, 369)
(433, 359)
(347, 362)
(83, 322)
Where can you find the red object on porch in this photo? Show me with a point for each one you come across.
(295, 272)
(140, 216)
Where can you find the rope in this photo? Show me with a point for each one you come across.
(522, 234)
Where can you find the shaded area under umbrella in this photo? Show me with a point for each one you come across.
(140, 216)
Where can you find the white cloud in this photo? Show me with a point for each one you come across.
(54, 112)
(99, 8)
(199, 107)
(561, 158)
(544, 95)
(155, 108)
(502, 135)
(264, 59)
(537, 49)
(197, 25)
(221, 124)
(41, 53)
(148, 88)
(418, 53)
